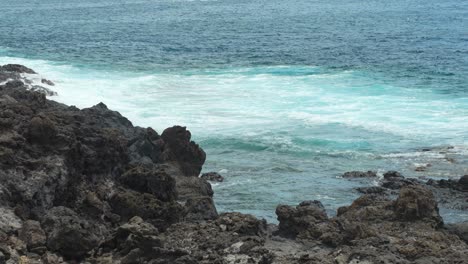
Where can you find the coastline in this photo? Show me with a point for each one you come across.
(86, 185)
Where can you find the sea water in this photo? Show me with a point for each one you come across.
(284, 96)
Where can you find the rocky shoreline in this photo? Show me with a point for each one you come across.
(86, 186)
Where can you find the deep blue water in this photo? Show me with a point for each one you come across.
(284, 96)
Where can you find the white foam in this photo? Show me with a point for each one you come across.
(249, 101)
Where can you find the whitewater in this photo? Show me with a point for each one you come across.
(283, 96)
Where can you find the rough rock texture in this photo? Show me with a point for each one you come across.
(19, 75)
(378, 230)
(359, 174)
(86, 186)
(212, 176)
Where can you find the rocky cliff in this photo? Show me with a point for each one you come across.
(86, 186)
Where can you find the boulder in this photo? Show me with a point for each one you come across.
(372, 189)
(17, 68)
(32, 234)
(392, 175)
(417, 203)
(296, 220)
(128, 204)
(463, 182)
(212, 176)
(41, 130)
(150, 180)
(360, 174)
(48, 82)
(69, 234)
(200, 208)
(181, 150)
(459, 229)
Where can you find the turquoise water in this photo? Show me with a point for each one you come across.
(283, 96)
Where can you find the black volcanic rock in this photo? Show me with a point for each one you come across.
(360, 174)
(17, 68)
(86, 186)
(212, 176)
(178, 147)
(463, 182)
(69, 234)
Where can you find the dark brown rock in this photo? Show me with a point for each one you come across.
(417, 203)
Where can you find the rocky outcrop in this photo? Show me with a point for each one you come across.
(212, 176)
(360, 174)
(16, 68)
(378, 230)
(19, 75)
(86, 186)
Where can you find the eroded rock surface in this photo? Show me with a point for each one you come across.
(86, 186)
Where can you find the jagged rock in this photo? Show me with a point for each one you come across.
(417, 203)
(103, 191)
(41, 130)
(178, 148)
(9, 222)
(200, 208)
(33, 235)
(69, 234)
(128, 204)
(394, 180)
(459, 229)
(154, 181)
(212, 176)
(463, 182)
(301, 219)
(243, 224)
(360, 174)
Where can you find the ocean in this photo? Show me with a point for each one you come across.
(284, 96)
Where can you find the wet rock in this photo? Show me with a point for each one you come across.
(43, 90)
(296, 220)
(212, 176)
(69, 234)
(417, 203)
(394, 180)
(48, 82)
(372, 189)
(389, 175)
(463, 182)
(17, 68)
(360, 174)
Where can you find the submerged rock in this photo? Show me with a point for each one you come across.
(360, 174)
